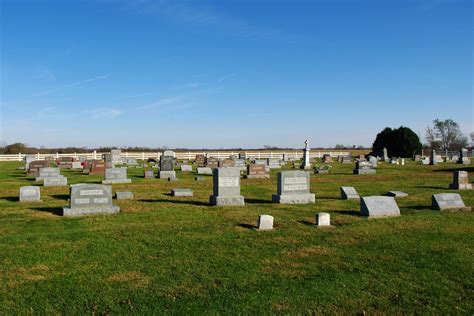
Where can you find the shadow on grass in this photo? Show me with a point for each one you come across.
(258, 201)
(327, 198)
(459, 168)
(53, 210)
(417, 208)
(63, 197)
(432, 187)
(247, 226)
(197, 203)
(11, 198)
(348, 213)
(307, 223)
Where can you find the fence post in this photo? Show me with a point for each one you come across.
(94, 155)
(19, 156)
(143, 155)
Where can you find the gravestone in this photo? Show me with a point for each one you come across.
(226, 187)
(364, 167)
(425, 161)
(149, 174)
(116, 175)
(77, 165)
(107, 158)
(433, 159)
(346, 160)
(199, 178)
(449, 202)
(48, 172)
(200, 160)
(35, 166)
(306, 156)
(324, 169)
(349, 193)
(323, 220)
(181, 192)
(240, 163)
(88, 199)
(396, 194)
(273, 163)
(97, 167)
(265, 222)
(460, 181)
(373, 160)
(169, 153)
(30, 194)
(226, 163)
(186, 168)
(204, 170)
(115, 155)
(379, 206)
(212, 162)
(417, 158)
(327, 158)
(385, 154)
(464, 157)
(293, 188)
(257, 172)
(167, 167)
(124, 195)
(55, 181)
(243, 156)
(131, 161)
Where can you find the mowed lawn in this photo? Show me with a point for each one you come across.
(164, 254)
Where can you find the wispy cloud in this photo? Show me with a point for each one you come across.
(168, 102)
(103, 112)
(74, 84)
(135, 95)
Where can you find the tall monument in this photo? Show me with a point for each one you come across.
(306, 163)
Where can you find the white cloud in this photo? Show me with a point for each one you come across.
(104, 112)
(168, 102)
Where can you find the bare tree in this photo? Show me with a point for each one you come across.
(472, 137)
(447, 133)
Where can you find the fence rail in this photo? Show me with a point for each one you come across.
(189, 155)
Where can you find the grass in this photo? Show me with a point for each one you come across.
(165, 254)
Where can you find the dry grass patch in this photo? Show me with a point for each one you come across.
(134, 278)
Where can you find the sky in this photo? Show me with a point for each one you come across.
(231, 74)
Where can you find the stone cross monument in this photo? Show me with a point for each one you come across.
(306, 163)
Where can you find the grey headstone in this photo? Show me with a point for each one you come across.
(55, 182)
(167, 163)
(265, 222)
(204, 170)
(379, 206)
(348, 193)
(364, 167)
(124, 195)
(323, 219)
(48, 173)
(449, 202)
(90, 199)
(396, 194)
(186, 168)
(30, 194)
(149, 174)
(293, 188)
(116, 175)
(460, 181)
(182, 192)
(226, 187)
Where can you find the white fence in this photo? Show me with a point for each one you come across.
(298, 154)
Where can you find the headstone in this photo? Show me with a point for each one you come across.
(149, 174)
(460, 181)
(48, 172)
(65, 162)
(464, 157)
(226, 163)
(385, 154)
(186, 168)
(373, 160)
(107, 158)
(426, 161)
(449, 202)
(346, 160)
(265, 222)
(226, 187)
(115, 155)
(417, 158)
(212, 162)
(30, 194)
(200, 160)
(169, 153)
(240, 163)
(116, 175)
(274, 163)
(243, 156)
(348, 193)
(324, 169)
(364, 167)
(88, 199)
(167, 167)
(77, 165)
(55, 182)
(433, 160)
(131, 161)
(323, 220)
(124, 195)
(293, 188)
(379, 206)
(199, 178)
(204, 170)
(397, 194)
(35, 166)
(260, 162)
(257, 172)
(182, 192)
(327, 158)
(306, 156)
(97, 167)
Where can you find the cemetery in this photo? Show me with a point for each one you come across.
(421, 212)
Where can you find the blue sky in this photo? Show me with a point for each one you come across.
(231, 73)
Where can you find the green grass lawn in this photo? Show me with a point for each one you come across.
(165, 254)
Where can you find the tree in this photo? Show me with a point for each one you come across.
(445, 135)
(15, 148)
(472, 137)
(400, 142)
